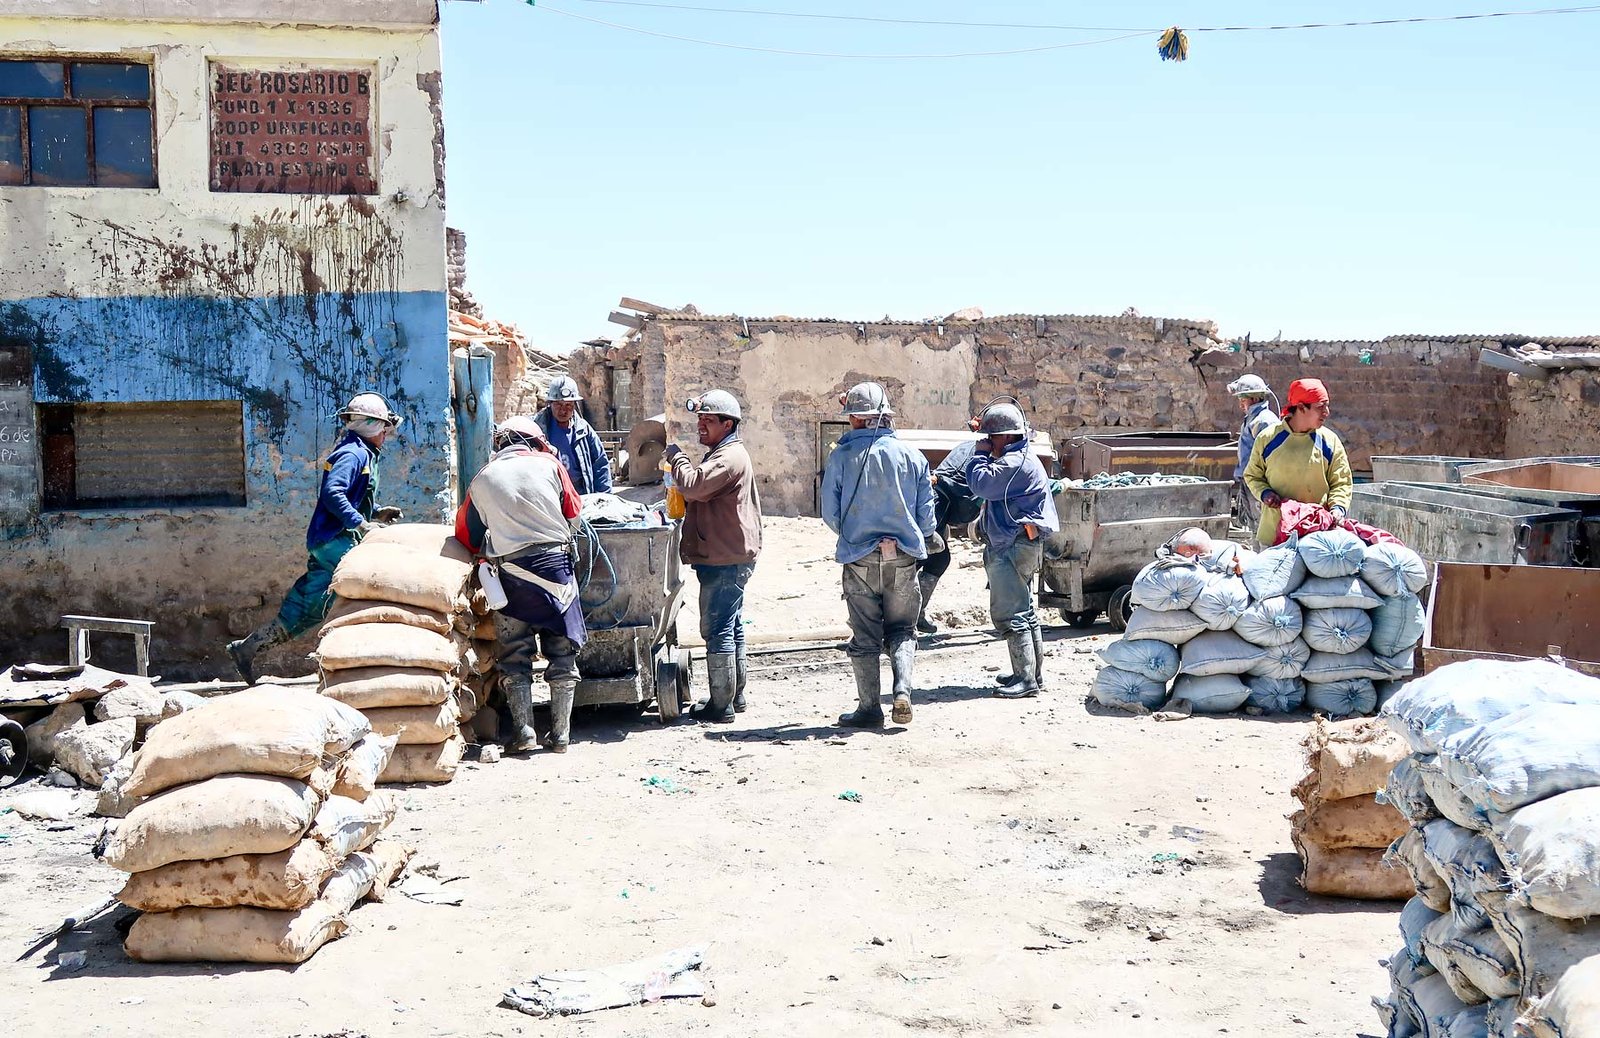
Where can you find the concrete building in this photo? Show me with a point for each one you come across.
(1411, 394)
(218, 220)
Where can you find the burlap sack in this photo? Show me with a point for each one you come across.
(1354, 872)
(435, 763)
(387, 645)
(358, 775)
(347, 611)
(417, 725)
(253, 934)
(1351, 822)
(367, 688)
(286, 880)
(484, 630)
(467, 696)
(433, 538)
(217, 818)
(390, 857)
(267, 730)
(345, 826)
(379, 572)
(1348, 759)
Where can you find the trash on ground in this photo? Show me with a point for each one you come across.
(674, 974)
(850, 795)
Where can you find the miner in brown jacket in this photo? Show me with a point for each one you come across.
(721, 539)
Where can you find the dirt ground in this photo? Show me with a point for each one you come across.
(1011, 867)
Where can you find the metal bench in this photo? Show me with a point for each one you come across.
(78, 628)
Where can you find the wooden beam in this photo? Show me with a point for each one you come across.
(642, 306)
(633, 321)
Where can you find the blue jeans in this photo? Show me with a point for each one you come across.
(307, 602)
(722, 605)
(1012, 572)
(883, 600)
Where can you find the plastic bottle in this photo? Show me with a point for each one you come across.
(675, 503)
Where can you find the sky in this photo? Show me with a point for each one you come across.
(1340, 183)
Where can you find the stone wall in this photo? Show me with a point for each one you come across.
(455, 258)
(1554, 416)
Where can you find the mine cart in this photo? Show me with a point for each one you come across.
(632, 588)
(1108, 535)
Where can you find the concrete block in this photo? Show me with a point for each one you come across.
(92, 751)
(42, 735)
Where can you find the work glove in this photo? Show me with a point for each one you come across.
(936, 544)
(1272, 499)
(387, 514)
(672, 451)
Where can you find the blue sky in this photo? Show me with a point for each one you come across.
(1330, 183)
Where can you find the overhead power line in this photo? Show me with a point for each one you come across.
(1173, 43)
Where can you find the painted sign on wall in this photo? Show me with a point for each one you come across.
(19, 455)
(301, 131)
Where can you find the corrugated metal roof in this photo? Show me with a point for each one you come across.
(924, 322)
(1503, 338)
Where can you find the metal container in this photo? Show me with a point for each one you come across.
(1452, 524)
(1586, 552)
(1210, 454)
(1512, 612)
(1107, 536)
(632, 583)
(1538, 475)
(1421, 468)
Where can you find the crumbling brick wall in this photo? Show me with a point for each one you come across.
(1554, 416)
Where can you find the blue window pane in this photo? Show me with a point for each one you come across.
(10, 145)
(58, 143)
(32, 79)
(111, 82)
(122, 156)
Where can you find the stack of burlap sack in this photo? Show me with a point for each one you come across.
(256, 830)
(1502, 793)
(1342, 830)
(400, 644)
(1317, 621)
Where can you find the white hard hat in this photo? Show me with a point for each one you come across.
(517, 427)
(1002, 418)
(369, 405)
(1248, 385)
(716, 401)
(866, 398)
(562, 389)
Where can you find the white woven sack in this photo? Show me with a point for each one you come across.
(1282, 661)
(1155, 659)
(1126, 689)
(1341, 698)
(1223, 601)
(1324, 667)
(1390, 569)
(1174, 626)
(1273, 621)
(1397, 624)
(1572, 1008)
(1551, 851)
(1338, 630)
(1217, 652)
(1449, 801)
(1523, 758)
(1335, 593)
(1473, 692)
(1332, 553)
(1476, 963)
(1275, 695)
(1167, 584)
(1275, 571)
(1211, 694)
(1406, 793)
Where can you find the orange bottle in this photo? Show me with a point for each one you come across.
(676, 508)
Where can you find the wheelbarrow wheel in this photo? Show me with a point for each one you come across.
(1083, 619)
(685, 660)
(13, 751)
(1120, 608)
(667, 680)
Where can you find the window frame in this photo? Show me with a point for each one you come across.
(58, 490)
(87, 105)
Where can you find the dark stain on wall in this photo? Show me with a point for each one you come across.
(23, 334)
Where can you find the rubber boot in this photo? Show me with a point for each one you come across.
(245, 649)
(869, 687)
(900, 659)
(926, 582)
(519, 702)
(1038, 658)
(1023, 661)
(561, 696)
(741, 675)
(723, 676)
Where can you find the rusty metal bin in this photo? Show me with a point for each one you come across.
(1421, 468)
(1454, 524)
(1210, 454)
(1512, 612)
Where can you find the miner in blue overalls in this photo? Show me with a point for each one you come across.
(345, 512)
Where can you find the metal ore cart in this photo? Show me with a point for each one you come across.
(1108, 535)
(632, 588)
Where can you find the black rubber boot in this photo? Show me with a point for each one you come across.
(741, 676)
(926, 582)
(1038, 658)
(1023, 662)
(245, 650)
(519, 703)
(562, 692)
(900, 661)
(869, 688)
(722, 675)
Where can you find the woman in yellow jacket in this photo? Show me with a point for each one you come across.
(1299, 460)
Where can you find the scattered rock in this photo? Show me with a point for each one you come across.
(92, 751)
(140, 702)
(47, 805)
(57, 777)
(179, 702)
(490, 754)
(113, 802)
(42, 735)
